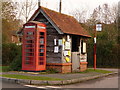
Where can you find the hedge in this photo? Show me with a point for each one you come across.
(9, 52)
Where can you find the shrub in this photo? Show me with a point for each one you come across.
(107, 53)
(16, 63)
(9, 52)
(50, 70)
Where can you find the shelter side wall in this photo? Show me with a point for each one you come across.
(82, 50)
(83, 54)
(52, 42)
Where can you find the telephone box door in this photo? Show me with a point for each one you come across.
(41, 47)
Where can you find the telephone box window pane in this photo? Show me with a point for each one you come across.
(29, 54)
(29, 45)
(41, 46)
(41, 37)
(41, 63)
(41, 33)
(41, 50)
(27, 58)
(29, 37)
(30, 41)
(27, 62)
(41, 41)
(41, 58)
(30, 33)
(29, 50)
(41, 54)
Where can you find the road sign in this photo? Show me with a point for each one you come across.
(98, 27)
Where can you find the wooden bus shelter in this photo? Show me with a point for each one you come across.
(65, 39)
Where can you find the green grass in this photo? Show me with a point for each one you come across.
(4, 68)
(97, 71)
(17, 76)
(30, 77)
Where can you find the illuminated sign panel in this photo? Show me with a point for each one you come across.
(29, 26)
(41, 27)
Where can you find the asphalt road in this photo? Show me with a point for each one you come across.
(105, 82)
(11, 85)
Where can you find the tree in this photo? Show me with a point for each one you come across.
(26, 9)
(9, 21)
(105, 14)
(107, 46)
(118, 22)
(8, 10)
(80, 15)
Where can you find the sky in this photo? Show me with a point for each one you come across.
(69, 6)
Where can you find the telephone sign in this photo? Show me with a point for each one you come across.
(29, 26)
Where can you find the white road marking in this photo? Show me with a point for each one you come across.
(33, 86)
(52, 87)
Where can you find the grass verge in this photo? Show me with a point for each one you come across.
(97, 71)
(30, 77)
(4, 68)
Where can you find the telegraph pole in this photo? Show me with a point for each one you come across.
(60, 6)
(39, 2)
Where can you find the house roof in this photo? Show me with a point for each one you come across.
(67, 24)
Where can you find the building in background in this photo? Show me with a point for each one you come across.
(16, 37)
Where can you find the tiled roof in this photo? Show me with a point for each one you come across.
(67, 24)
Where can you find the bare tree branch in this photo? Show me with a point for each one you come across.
(26, 9)
(80, 15)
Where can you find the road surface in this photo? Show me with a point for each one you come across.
(105, 82)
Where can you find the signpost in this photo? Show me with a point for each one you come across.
(98, 27)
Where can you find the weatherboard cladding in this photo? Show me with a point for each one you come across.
(51, 35)
(67, 24)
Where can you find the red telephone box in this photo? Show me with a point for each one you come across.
(34, 46)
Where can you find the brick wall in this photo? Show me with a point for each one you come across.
(60, 67)
(83, 66)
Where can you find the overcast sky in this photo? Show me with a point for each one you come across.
(70, 5)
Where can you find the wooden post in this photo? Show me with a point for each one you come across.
(95, 34)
